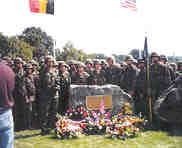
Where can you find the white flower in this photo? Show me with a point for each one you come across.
(126, 123)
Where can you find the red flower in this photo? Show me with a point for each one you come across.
(83, 125)
(85, 115)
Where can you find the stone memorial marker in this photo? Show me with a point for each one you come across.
(84, 93)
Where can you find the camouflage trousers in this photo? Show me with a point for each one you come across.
(63, 104)
(141, 104)
(48, 111)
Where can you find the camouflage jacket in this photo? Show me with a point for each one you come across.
(81, 79)
(49, 83)
(97, 78)
(112, 75)
(30, 87)
(159, 76)
(20, 88)
(89, 71)
(128, 82)
(65, 81)
(72, 73)
(141, 81)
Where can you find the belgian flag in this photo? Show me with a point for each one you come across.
(42, 6)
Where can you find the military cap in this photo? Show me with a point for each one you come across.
(88, 61)
(93, 61)
(141, 61)
(60, 62)
(49, 58)
(80, 64)
(129, 57)
(135, 61)
(64, 64)
(163, 57)
(18, 60)
(28, 66)
(97, 62)
(110, 58)
(33, 62)
(6, 58)
(173, 65)
(154, 54)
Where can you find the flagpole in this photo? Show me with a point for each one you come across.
(147, 60)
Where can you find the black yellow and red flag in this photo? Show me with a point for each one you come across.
(42, 6)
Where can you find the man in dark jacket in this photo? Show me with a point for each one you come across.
(6, 104)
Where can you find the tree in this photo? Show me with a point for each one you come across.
(20, 48)
(71, 53)
(39, 39)
(3, 45)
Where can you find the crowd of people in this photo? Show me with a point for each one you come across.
(42, 89)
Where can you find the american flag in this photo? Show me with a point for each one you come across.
(131, 4)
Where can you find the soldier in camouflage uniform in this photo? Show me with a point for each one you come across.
(160, 80)
(159, 76)
(123, 67)
(65, 81)
(164, 60)
(103, 65)
(30, 96)
(179, 68)
(89, 69)
(98, 76)
(19, 95)
(36, 103)
(34, 67)
(81, 77)
(128, 81)
(112, 72)
(174, 67)
(73, 69)
(55, 66)
(49, 87)
(141, 100)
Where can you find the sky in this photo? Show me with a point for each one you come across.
(102, 26)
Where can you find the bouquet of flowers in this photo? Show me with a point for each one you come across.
(66, 128)
(125, 124)
(78, 112)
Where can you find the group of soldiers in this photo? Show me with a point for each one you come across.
(42, 89)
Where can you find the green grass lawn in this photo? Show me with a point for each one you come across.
(149, 139)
